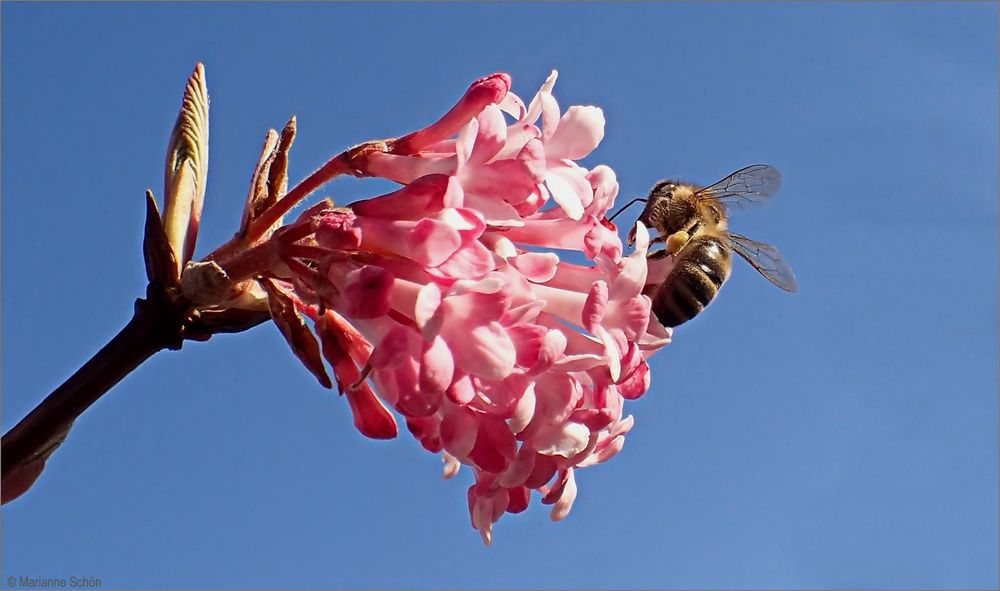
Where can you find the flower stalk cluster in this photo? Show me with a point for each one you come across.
(445, 302)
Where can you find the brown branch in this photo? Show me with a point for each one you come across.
(153, 327)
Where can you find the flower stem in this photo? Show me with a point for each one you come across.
(153, 327)
(336, 166)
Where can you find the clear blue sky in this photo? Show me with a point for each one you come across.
(845, 436)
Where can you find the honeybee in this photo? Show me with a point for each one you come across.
(693, 224)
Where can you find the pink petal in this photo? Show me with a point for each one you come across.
(582, 362)
(599, 239)
(510, 181)
(427, 302)
(501, 397)
(419, 199)
(632, 316)
(641, 237)
(406, 169)
(564, 304)
(605, 453)
(476, 302)
(557, 488)
(495, 212)
(587, 451)
(428, 242)
(550, 115)
(635, 379)
(574, 277)
(658, 269)
(566, 440)
(431, 242)
(491, 136)
(495, 446)
(632, 278)
(605, 184)
(535, 107)
(472, 261)
(527, 340)
(580, 130)
(656, 336)
(538, 267)
(371, 417)
(426, 431)
(562, 507)
(537, 347)
(595, 306)
(544, 470)
(464, 146)
(518, 136)
(552, 350)
(398, 373)
(458, 431)
(523, 313)
(467, 222)
(366, 292)
(485, 351)
(338, 231)
(565, 194)
(611, 352)
(437, 367)
(513, 105)
(556, 395)
(394, 347)
(519, 498)
(572, 176)
(594, 419)
(486, 507)
(533, 157)
(399, 382)
(534, 202)
(524, 411)
(451, 465)
(482, 92)
(461, 391)
(413, 400)
(520, 469)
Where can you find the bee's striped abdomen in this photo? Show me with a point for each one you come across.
(702, 266)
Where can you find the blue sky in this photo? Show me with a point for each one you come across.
(844, 436)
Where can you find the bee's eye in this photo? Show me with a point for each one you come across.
(666, 190)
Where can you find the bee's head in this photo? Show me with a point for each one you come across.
(663, 190)
(671, 207)
(656, 203)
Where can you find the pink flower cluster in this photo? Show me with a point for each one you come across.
(444, 301)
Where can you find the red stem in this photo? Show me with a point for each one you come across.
(249, 262)
(335, 167)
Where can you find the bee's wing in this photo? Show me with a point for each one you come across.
(746, 187)
(767, 260)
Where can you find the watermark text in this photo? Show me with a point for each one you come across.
(74, 582)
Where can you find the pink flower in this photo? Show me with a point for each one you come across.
(442, 301)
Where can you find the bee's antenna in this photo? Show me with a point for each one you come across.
(626, 206)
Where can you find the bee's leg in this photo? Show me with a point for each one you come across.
(657, 254)
(676, 241)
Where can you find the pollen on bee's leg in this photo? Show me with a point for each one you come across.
(677, 240)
